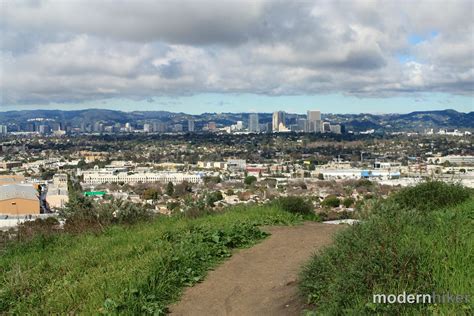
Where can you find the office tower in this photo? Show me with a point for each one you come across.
(128, 127)
(253, 123)
(278, 120)
(178, 128)
(314, 121)
(326, 127)
(211, 126)
(302, 125)
(146, 128)
(335, 128)
(97, 127)
(43, 129)
(190, 126)
(160, 127)
(3, 130)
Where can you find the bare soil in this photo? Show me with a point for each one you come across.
(262, 280)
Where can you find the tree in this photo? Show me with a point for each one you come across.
(214, 197)
(183, 188)
(81, 164)
(170, 188)
(249, 180)
(320, 176)
(295, 204)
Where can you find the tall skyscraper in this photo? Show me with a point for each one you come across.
(190, 126)
(3, 130)
(302, 125)
(160, 127)
(147, 128)
(314, 121)
(278, 120)
(254, 126)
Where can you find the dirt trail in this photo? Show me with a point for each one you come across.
(261, 280)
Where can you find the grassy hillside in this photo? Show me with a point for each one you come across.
(134, 270)
(419, 241)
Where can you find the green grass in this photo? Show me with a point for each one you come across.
(401, 246)
(133, 270)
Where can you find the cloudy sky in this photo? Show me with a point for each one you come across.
(218, 56)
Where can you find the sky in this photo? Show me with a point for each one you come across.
(198, 56)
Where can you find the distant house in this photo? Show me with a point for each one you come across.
(19, 199)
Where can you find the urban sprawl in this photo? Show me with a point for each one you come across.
(168, 167)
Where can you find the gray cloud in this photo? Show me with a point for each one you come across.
(74, 51)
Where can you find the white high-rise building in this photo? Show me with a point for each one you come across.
(146, 128)
(326, 127)
(278, 120)
(3, 130)
(254, 126)
(190, 126)
(314, 121)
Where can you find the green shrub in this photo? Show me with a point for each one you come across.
(295, 204)
(39, 227)
(213, 198)
(331, 201)
(83, 214)
(249, 180)
(364, 183)
(431, 195)
(348, 202)
(391, 252)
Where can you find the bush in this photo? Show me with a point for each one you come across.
(348, 202)
(43, 227)
(295, 204)
(213, 198)
(393, 252)
(331, 201)
(364, 183)
(431, 195)
(83, 214)
(249, 180)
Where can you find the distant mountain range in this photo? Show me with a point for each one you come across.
(414, 121)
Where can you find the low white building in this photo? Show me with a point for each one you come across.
(346, 174)
(100, 176)
(459, 160)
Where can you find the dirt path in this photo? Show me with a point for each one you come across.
(261, 280)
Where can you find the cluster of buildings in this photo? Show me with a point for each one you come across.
(279, 124)
(311, 124)
(450, 132)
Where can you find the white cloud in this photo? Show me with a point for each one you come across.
(73, 51)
